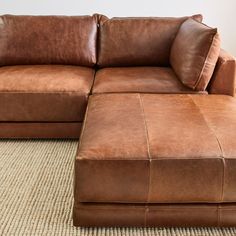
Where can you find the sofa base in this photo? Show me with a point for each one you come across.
(23, 130)
(154, 215)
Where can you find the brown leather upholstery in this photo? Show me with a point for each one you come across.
(194, 54)
(144, 148)
(137, 41)
(138, 79)
(48, 40)
(143, 159)
(224, 77)
(154, 215)
(29, 130)
(49, 93)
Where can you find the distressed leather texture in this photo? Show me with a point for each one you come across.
(48, 93)
(140, 80)
(48, 40)
(154, 215)
(194, 54)
(224, 77)
(155, 149)
(144, 148)
(137, 41)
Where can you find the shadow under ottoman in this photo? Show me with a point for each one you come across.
(157, 160)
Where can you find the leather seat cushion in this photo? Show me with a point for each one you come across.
(138, 79)
(150, 148)
(44, 92)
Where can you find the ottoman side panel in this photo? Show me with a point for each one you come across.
(111, 181)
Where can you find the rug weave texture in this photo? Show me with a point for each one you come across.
(36, 194)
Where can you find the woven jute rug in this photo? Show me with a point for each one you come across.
(36, 194)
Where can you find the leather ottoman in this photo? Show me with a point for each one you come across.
(157, 160)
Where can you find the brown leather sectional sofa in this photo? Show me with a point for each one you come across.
(158, 143)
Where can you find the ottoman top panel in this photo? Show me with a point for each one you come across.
(146, 126)
(149, 148)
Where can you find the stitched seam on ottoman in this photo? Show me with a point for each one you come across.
(218, 215)
(161, 158)
(220, 147)
(145, 215)
(148, 147)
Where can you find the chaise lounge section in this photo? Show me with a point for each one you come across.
(156, 149)
(148, 150)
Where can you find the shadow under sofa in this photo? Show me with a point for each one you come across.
(133, 74)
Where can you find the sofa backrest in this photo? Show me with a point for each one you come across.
(48, 40)
(137, 41)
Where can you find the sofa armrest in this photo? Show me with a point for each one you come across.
(224, 76)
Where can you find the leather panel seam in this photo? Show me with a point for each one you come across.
(148, 145)
(153, 159)
(146, 215)
(218, 216)
(160, 208)
(150, 202)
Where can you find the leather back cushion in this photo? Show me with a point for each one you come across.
(48, 40)
(194, 54)
(137, 41)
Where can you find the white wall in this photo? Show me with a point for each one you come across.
(218, 13)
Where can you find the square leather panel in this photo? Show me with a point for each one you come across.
(44, 93)
(149, 148)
